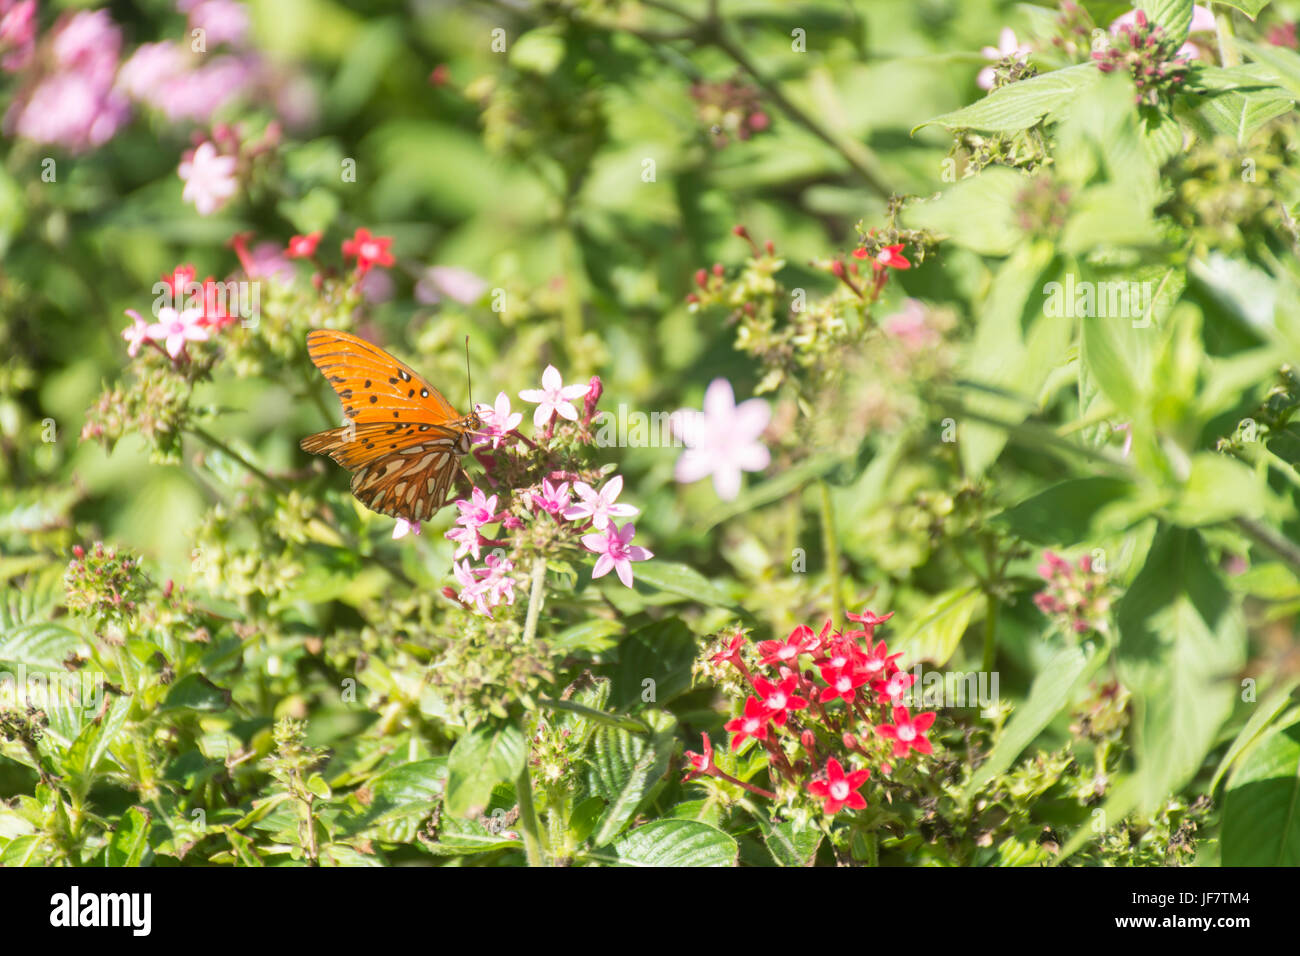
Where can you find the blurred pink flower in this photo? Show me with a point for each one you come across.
(485, 587)
(722, 441)
(600, 506)
(404, 527)
(911, 327)
(554, 397)
(209, 179)
(616, 552)
(376, 286)
(17, 34)
(497, 421)
(1008, 45)
(177, 328)
(223, 21)
(450, 282)
(135, 334)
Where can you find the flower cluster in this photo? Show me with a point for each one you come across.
(1078, 597)
(827, 707)
(543, 499)
(1156, 61)
(729, 108)
(104, 585)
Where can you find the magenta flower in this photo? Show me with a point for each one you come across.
(480, 510)
(616, 552)
(17, 33)
(404, 527)
(224, 21)
(136, 334)
(600, 506)
(497, 420)
(451, 282)
(209, 179)
(487, 587)
(178, 328)
(553, 499)
(722, 441)
(553, 398)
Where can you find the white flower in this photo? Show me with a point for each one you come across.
(553, 397)
(722, 441)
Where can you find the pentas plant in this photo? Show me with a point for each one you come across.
(827, 708)
(543, 502)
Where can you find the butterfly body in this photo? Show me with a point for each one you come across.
(403, 441)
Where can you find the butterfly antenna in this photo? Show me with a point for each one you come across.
(469, 382)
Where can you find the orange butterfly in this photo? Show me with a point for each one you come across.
(403, 441)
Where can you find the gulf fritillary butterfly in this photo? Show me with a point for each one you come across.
(403, 441)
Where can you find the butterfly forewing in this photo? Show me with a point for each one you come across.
(404, 440)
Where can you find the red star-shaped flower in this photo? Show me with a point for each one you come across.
(752, 723)
(889, 257)
(839, 789)
(801, 641)
(780, 699)
(908, 733)
(368, 250)
(303, 247)
(699, 763)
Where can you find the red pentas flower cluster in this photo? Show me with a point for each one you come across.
(826, 706)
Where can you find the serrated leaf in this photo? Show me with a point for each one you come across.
(1174, 15)
(623, 768)
(790, 845)
(130, 839)
(478, 761)
(1020, 105)
(676, 843)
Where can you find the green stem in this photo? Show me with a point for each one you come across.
(990, 635)
(1228, 53)
(535, 597)
(225, 449)
(831, 544)
(528, 822)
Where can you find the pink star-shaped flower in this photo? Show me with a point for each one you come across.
(554, 397)
(599, 506)
(616, 552)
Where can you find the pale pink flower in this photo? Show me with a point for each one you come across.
(177, 328)
(135, 334)
(722, 441)
(554, 397)
(599, 506)
(616, 552)
(17, 34)
(553, 499)
(911, 327)
(1008, 45)
(497, 420)
(404, 527)
(152, 66)
(452, 282)
(467, 539)
(209, 179)
(223, 21)
(487, 587)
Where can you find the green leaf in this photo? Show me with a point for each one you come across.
(1239, 115)
(938, 628)
(623, 769)
(1181, 638)
(1050, 693)
(592, 636)
(1063, 514)
(457, 837)
(401, 798)
(39, 646)
(789, 844)
(196, 692)
(1250, 8)
(1174, 15)
(684, 580)
(1021, 105)
(130, 838)
(662, 652)
(978, 213)
(676, 843)
(1219, 488)
(1261, 811)
(1285, 63)
(1253, 731)
(478, 761)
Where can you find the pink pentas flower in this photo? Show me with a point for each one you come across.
(752, 723)
(487, 587)
(223, 21)
(498, 421)
(478, 511)
(554, 498)
(699, 763)
(209, 179)
(136, 334)
(616, 551)
(722, 440)
(600, 506)
(1202, 22)
(1008, 45)
(840, 789)
(911, 327)
(907, 732)
(17, 34)
(468, 540)
(450, 282)
(177, 328)
(553, 398)
(404, 527)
